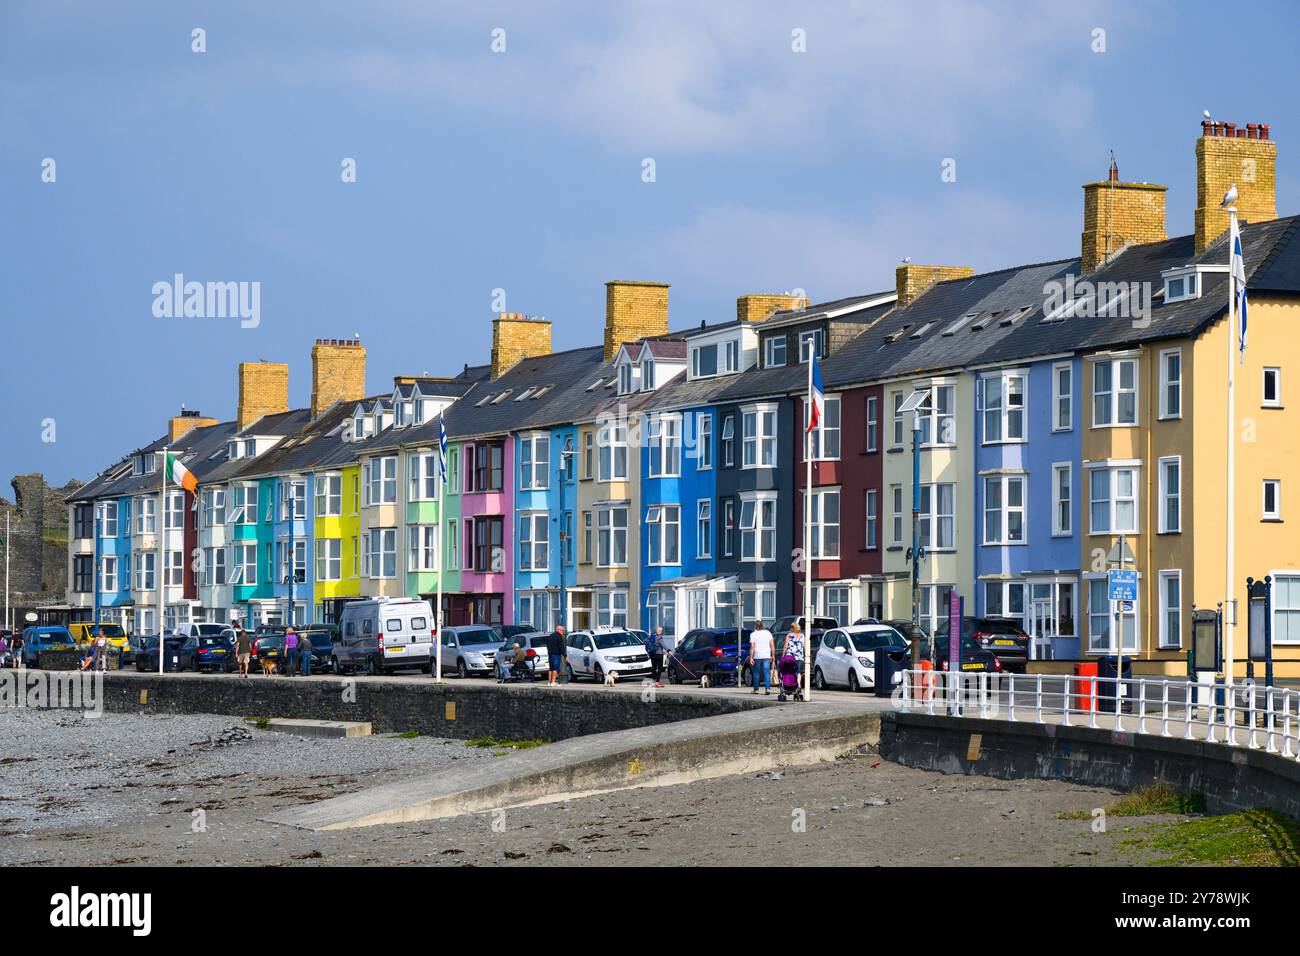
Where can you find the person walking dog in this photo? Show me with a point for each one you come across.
(243, 649)
(761, 644)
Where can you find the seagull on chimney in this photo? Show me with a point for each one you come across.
(1230, 197)
(1205, 113)
(906, 259)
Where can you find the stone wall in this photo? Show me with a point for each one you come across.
(505, 711)
(38, 568)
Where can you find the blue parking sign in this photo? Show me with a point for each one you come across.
(1122, 585)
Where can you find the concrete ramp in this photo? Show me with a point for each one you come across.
(661, 755)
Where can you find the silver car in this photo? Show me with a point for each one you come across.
(470, 650)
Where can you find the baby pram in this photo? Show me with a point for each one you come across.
(788, 673)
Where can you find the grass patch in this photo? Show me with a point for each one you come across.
(261, 723)
(406, 735)
(1246, 838)
(1147, 801)
(504, 745)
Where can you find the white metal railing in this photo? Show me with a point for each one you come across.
(1243, 715)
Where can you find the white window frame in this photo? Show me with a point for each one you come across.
(1276, 513)
(1059, 423)
(704, 528)
(1165, 610)
(534, 468)
(663, 528)
(1284, 582)
(422, 547)
(824, 536)
(329, 559)
(896, 530)
(1005, 509)
(1116, 391)
(871, 416)
(933, 420)
(108, 573)
(612, 455)
(728, 440)
(664, 437)
(106, 522)
(1062, 529)
(757, 529)
(1105, 645)
(329, 494)
(1170, 386)
(931, 519)
(1004, 413)
(871, 519)
(608, 535)
(1165, 494)
(1112, 470)
(759, 449)
(826, 435)
(534, 541)
(704, 442)
(1276, 401)
(770, 349)
(146, 514)
(897, 432)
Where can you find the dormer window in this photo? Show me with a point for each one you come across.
(625, 378)
(232, 451)
(250, 448)
(814, 339)
(400, 411)
(647, 375)
(774, 351)
(1181, 284)
(715, 359)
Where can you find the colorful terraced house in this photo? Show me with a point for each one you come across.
(658, 478)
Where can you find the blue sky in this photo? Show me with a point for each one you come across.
(522, 170)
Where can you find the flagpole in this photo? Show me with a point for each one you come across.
(160, 573)
(807, 529)
(1230, 608)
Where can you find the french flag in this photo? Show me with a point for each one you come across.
(816, 394)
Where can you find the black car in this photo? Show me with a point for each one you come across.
(321, 643)
(268, 643)
(974, 657)
(1005, 639)
(707, 654)
(509, 632)
(178, 655)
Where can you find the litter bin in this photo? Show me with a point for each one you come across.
(1106, 688)
(1083, 689)
(890, 665)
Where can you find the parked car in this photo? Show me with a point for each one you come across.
(321, 642)
(509, 632)
(534, 640)
(37, 639)
(598, 652)
(85, 633)
(268, 644)
(214, 653)
(974, 656)
(385, 634)
(847, 656)
(709, 655)
(909, 631)
(812, 637)
(1005, 639)
(178, 653)
(470, 650)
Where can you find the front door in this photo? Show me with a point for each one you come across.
(1040, 628)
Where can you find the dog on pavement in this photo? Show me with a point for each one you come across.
(611, 678)
(268, 666)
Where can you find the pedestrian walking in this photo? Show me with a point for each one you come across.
(17, 650)
(290, 651)
(243, 648)
(101, 650)
(655, 647)
(761, 645)
(555, 644)
(304, 655)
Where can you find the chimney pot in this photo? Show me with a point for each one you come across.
(1263, 131)
(1217, 166)
(1205, 127)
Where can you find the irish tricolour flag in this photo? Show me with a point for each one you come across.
(181, 475)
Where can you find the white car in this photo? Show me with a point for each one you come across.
(847, 656)
(605, 650)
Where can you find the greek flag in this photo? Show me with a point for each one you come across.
(1238, 269)
(442, 449)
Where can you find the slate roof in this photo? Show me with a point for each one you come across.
(1272, 263)
(317, 445)
(196, 450)
(280, 423)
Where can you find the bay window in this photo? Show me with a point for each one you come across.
(825, 522)
(935, 417)
(534, 462)
(665, 440)
(759, 437)
(329, 495)
(611, 537)
(534, 541)
(824, 440)
(329, 559)
(758, 528)
(936, 516)
(612, 439)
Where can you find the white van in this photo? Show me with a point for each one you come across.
(384, 634)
